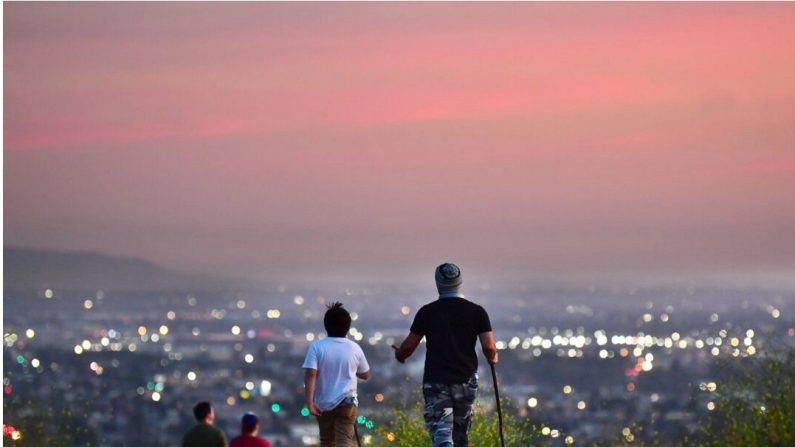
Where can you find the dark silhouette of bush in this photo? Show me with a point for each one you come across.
(755, 403)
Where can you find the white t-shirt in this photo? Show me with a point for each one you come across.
(337, 360)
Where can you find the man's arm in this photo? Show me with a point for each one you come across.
(310, 377)
(489, 347)
(407, 347)
(364, 376)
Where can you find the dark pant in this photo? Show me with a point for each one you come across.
(336, 426)
(448, 412)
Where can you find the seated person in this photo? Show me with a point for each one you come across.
(249, 428)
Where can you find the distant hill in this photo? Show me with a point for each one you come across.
(31, 268)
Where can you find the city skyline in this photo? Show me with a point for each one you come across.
(579, 141)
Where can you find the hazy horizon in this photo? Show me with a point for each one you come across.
(557, 141)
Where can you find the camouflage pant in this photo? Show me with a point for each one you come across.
(448, 411)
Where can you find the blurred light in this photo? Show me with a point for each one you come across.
(235, 330)
(714, 318)
(545, 431)
(241, 304)
(155, 338)
(304, 411)
(405, 310)
(86, 345)
(354, 316)
(710, 406)
(271, 347)
(299, 300)
(275, 407)
(104, 341)
(567, 389)
(88, 304)
(163, 330)
(248, 358)
(265, 388)
(749, 333)
(775, 313)
(195, 331)
(16, 435)
(191, 376)
(379, 397)
(310, 336)
(20, 359)
(30, 333)
(245, 394)
(230, 400)
(171, 315)
(78, 349)
(581, 405)
(156, 396)
(711, 387)
(35, 363)
(249, 386)
(48, 293)
(391, 437)
(141, 330)
(569, 440)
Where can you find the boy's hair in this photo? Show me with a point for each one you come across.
(249, 423)
(201, 410)
(337, 320)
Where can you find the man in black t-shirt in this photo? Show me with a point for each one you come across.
(451, 326)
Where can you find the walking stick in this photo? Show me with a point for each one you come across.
(356, 433)
(497, 396)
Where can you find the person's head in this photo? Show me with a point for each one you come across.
(337, 320)
(249, 424)
(448, 280)
(203, 412)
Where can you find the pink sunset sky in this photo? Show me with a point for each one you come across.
(376, 140)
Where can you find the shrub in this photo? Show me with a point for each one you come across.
(407, 429)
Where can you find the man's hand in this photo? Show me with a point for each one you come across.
(489, 347)
(396, 355)
(314, 409)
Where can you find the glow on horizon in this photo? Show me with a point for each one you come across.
(267, 138)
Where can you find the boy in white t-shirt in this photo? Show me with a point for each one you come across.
(332, 366)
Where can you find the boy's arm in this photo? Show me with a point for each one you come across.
(488, 346)
(407, 347)
(310, 377)
(364, 376)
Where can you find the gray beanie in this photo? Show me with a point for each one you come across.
(448, 281)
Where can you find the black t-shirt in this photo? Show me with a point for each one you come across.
(451, 327)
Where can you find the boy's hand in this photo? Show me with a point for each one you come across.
(396, 355)
(314, 409)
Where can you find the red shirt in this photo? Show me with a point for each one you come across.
(249, 441)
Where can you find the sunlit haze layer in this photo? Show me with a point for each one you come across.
(524, 141)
